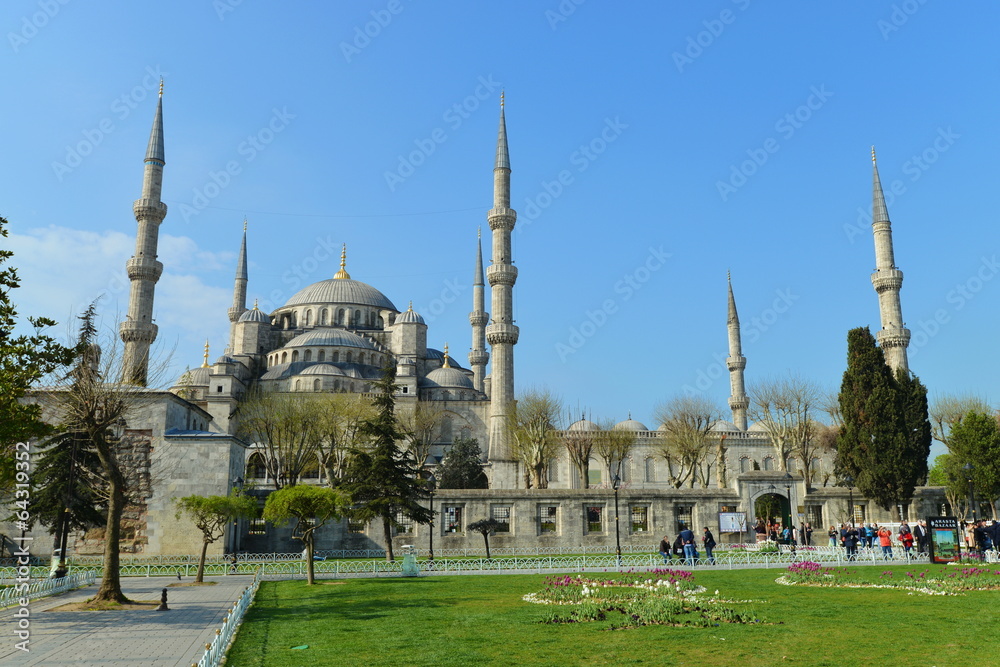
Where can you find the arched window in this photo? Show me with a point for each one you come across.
(308, 355)
(626, 471)
(295, 356)
(361, 358)
(284, 357)
(336, 357)
(745, 464)
(317, 384)
(309, 317)
(255, 466)
(552, 471)
(293, 319)
(298, 385)
(357, 318)
(340, 316)
(790, 465)
(322, 317)
(650, 469)
(321, 356)
(768, 463)
(350, 356)
(447, 429)
(381, 322)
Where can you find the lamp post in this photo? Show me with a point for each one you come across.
(788, 495)
(616, 483)
(431, 480)
(967, 468)
(238, 490)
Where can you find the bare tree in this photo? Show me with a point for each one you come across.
(421, 428)
(535, 438)
(579, 445)
(286, 428)
(613, 446)
(784, 409)
(947, 412)
(339, 418)
(825, 442)
(684, 440)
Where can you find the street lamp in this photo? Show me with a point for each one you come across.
(237, 490)
(968, 467)
(616, 483)
(430, 536)
(788, 495)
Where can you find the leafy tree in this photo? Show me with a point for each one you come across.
(949, 409)
(382, 479)
(877, 443)
(535, 435)
(975, 440)
(462, 466)
(211, 515)
(947, 472)
(24, 360)
(684, 439)
(484, 527)
(287, 429)
(311, 507)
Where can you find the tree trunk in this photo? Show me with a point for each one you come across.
(200, 576)
(310, 566)
(111, 587)
(583, 469)
(486, 538)
(387, 529)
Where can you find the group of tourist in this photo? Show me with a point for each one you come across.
(686, 547)
(773, 530)
(850, 537)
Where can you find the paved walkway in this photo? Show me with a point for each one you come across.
(174, 638)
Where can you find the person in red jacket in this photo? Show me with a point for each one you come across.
(885, 539)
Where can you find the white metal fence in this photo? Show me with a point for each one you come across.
(216, 651)
(43, 587)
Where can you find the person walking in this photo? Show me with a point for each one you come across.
(665, 549)
(709, 541)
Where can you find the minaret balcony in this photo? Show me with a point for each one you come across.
(143, 268)
(138, 332)
(501, 274)
(893, 337)
(479, 357)
(499, 333)
(736, 363)
(149, 209)
(502, 218)
(887, 279)
(478, 318)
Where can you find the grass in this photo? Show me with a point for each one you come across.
(483, 620)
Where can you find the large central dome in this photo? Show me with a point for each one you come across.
(341, 291)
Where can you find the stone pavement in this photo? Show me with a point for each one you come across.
(174, 638)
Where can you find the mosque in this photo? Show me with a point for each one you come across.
(336, 334)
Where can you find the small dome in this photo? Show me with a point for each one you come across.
(330, 337)
(722, 426)
(583, 425)
(449, 378)
(409, 317)
(757, 428)
(225, 359)
(322, 369)
(662, 428)
(630, 425)
(255, 315)
(194, 377)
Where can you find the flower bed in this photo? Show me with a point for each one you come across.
(926, 582)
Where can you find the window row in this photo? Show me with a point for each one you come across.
(344, 317)
(320, 356)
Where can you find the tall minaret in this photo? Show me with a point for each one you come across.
(239, 290)
(738, 401)
(501, 332)
(478, 356)
(138, 331)
(893, 337)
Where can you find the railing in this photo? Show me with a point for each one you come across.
(216, 651)
(44, 587)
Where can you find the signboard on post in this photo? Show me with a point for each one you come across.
(945, 538)
(732, 522)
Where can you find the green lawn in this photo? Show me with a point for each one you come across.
(476, 620)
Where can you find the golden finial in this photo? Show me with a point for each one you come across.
(255, 304)
(204, 364)
(873, 155)
(343, 274)
(161, 86)
(446, 364)
(410, 309)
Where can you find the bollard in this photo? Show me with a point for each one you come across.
(163, 602)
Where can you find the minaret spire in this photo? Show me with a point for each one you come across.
(478, 356)
(502, 333)
(138, 331)
(738, 401)
(887, 280)
(239, 289)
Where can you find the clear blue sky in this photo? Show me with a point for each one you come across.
(648, 111)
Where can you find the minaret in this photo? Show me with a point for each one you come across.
(478, 356)
(138, 331)
(887, 280)
(501, 332)
(239, 290)
(738, 401)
